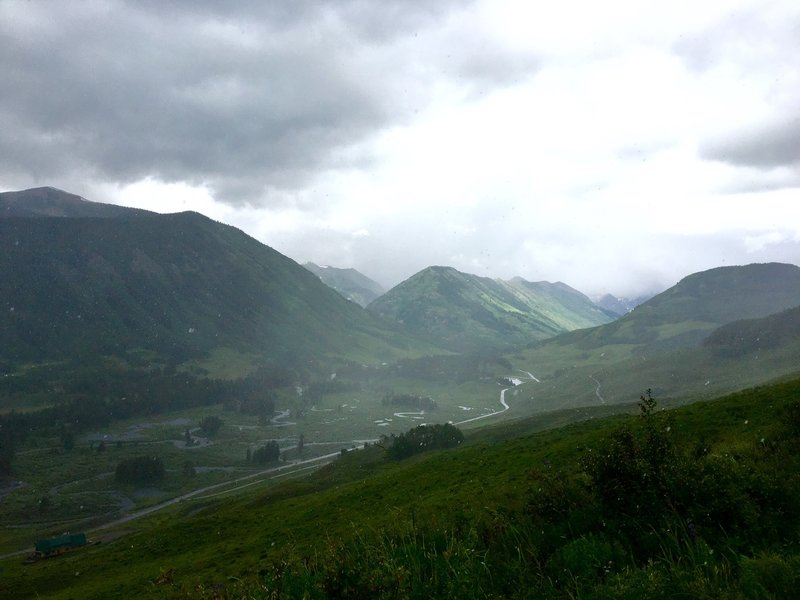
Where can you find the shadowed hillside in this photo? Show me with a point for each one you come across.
(179, 285)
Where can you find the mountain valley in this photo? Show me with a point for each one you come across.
(271, 403)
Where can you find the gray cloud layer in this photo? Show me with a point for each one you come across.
(773, 145)
(245, 100)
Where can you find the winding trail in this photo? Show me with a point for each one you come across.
(503, 402)
(419, 415)
(597, 389)
(491, 414)
(279, 420)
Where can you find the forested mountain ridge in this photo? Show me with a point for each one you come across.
(467, 312)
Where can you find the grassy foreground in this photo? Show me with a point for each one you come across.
(702, 501)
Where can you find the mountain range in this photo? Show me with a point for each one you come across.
(621, 306)
(466, 312)
(81, 280)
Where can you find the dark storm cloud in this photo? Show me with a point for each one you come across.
(259, 97)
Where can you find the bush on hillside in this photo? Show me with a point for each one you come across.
(141, 470)
(211, 425)
(424, 438)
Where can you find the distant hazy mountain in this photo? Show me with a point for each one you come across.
(351, 284)
(51, 202)
(685, 314)
(175, 285)
(467, 312)
(620, 306)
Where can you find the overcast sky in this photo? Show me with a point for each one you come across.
(615, 146)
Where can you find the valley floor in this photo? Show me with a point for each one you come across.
(701, 501)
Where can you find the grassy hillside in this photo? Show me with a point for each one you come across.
(750, 336)
(351, 284)
(701, 501)
(676, 342)
(685, 314)
(467, 312)
(176, 285)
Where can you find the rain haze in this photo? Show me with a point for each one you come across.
(615, 146)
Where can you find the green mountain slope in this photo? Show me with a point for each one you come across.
(51, 202)
(351, 284)
(688, 341)
(685, 314)
(178, 285)
(700, 501)
(467, 312)
(755, 335)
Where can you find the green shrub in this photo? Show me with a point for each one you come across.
(770, 576)
(424, 438)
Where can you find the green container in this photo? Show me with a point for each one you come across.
(61, 543)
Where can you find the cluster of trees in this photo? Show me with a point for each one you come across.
(140, 470)
(211, 424)
(423, 438)
(409, 401)
(6, 452)
(92, 397)
(255, 394)
(269, 452)
(261, 405)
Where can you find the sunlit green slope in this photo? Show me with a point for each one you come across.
(467, 312)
